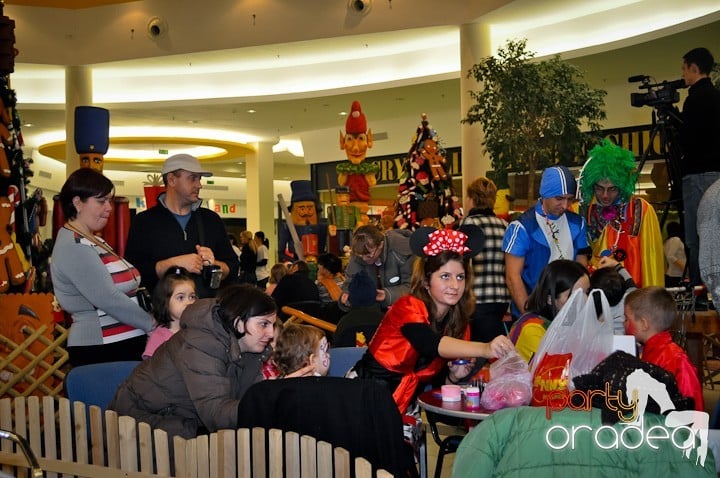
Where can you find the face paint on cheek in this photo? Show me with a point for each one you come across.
(324, 355)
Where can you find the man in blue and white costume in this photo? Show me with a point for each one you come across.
(544, 233)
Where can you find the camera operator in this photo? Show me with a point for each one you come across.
(700, 140)
(178, 232)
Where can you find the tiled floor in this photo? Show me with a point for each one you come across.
(711, 398)
(432, 450)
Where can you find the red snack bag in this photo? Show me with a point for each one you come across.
(550, 379)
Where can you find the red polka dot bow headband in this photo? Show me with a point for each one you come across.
(429, 242)
(445, 240)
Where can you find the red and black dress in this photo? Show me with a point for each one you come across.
(404, 351)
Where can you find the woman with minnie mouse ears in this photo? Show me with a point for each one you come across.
(424, 331)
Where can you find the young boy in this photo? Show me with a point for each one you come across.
(649, 314)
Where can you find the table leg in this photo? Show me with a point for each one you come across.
(422, 451)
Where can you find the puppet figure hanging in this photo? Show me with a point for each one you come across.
(426, 194)
(357, 174)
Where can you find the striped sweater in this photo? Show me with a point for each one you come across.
(97, 288)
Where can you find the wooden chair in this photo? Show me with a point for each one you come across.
(298, 316)
(310, 307)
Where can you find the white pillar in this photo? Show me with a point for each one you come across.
(78, 92)
(474, 45)
(260, 202)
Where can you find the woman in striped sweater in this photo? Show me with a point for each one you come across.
(92, 283)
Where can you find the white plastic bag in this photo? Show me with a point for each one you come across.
(577, 329)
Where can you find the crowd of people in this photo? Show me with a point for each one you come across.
(205, 314)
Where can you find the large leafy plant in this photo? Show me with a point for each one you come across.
(532, 112)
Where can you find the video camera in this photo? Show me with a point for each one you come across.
(658, 94)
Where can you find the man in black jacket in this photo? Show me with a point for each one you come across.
(700, 139)
(178, 232)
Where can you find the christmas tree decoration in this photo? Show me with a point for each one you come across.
(426, 196)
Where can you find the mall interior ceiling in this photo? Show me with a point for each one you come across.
(284, 71)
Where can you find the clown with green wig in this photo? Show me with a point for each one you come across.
(619, 223)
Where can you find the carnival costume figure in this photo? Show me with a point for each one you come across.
(619, 222)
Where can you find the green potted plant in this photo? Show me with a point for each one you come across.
(532, 112)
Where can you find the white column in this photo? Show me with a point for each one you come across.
(474, 45)
(78, 92)
(260, 202)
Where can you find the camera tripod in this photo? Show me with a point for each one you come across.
(665, 120)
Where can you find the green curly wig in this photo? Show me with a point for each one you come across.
(608, 161)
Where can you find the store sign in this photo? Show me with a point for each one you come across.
(391, 168)
(224, 209)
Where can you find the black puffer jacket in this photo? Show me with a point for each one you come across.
(194, 381)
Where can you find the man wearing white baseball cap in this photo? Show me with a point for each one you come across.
(544, 233)
(178, 232)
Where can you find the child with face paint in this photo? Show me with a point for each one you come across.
(299, 346)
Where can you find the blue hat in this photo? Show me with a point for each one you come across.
(557, 181)
(92, 130)
(302, 191)
(362, 291)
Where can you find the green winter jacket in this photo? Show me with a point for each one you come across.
(514, 443)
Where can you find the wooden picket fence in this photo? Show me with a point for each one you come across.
(66, 444)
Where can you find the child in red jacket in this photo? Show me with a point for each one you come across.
(649, 314)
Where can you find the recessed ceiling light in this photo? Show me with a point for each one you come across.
(192, 121)
(251, 111)
(28, 125)
(343, 113)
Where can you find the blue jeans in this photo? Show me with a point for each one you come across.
(693, 188)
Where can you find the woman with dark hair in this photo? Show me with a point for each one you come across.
(426, 329)
(91, 281)
(193, 384)
(557, 281)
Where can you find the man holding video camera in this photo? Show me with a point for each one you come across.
(700, 140)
